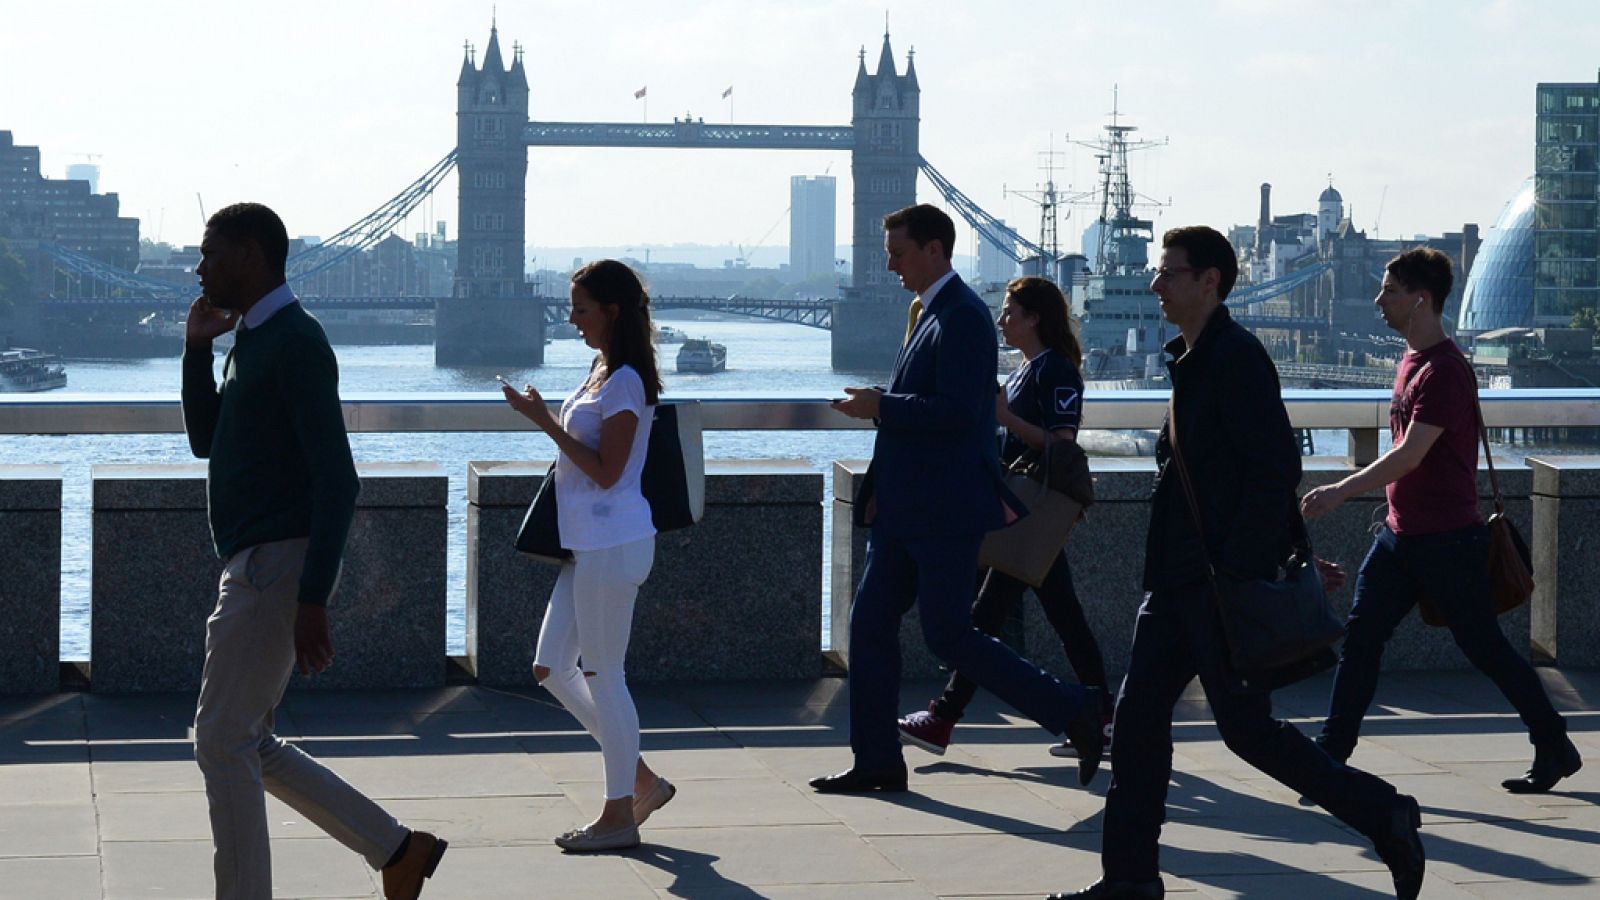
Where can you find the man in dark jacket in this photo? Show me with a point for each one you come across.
(1229, 423)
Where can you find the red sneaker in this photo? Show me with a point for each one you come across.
(926, 730)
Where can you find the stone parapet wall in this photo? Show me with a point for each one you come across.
(155, 579)
(733, 597)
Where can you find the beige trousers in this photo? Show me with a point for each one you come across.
(249, 658)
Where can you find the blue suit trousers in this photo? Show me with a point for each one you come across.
(936, 574)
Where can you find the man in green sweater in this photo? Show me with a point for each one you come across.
(281, 490)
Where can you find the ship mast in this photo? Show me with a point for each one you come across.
(1124, 238)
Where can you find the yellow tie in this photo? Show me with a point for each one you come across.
(912, 315)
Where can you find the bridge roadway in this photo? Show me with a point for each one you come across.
(813, 313)
(689, 134)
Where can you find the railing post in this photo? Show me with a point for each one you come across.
(1363, 446)
(30, 603)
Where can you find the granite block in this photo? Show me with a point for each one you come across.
(916, 660)
(1566, 569)
(155, 577)
(733, 597)
(30, 595)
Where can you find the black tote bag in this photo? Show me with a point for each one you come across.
(540, 534)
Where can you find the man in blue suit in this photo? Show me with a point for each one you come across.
(933, 489)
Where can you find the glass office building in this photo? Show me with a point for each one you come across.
(1565, 243)
(1499, 292)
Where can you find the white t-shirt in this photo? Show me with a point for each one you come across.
(592, 517)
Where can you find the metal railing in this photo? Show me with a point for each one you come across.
(1362, 413)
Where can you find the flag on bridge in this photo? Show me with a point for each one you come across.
(639, 94)
(727, 93)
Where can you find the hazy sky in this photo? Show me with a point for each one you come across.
(324, 110)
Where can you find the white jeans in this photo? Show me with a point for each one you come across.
(249, 656)
(590, 617)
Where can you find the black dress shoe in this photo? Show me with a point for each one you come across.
(1087, 736)
(1548, 768)
(861, 781)
(1400, 848)
(1117, 890)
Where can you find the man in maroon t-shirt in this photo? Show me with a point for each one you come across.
(1433, 542)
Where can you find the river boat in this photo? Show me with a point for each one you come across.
(666, 334)
(25, 370)
(702, 356)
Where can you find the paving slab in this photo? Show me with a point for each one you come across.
(541, 870)
(33, 877)
(181, 870)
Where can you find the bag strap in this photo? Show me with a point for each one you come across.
(1183, 476)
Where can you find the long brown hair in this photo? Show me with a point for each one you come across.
(612, 283)
(1041, 298)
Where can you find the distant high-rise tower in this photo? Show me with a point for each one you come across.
(996, 264)
(886, 115)
(1566, 217)
(812, 222)
(85, 172)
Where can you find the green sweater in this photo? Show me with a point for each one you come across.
(280, 464)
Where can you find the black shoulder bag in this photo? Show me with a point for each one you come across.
(1277, 632)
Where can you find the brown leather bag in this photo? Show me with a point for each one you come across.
(1510, 563)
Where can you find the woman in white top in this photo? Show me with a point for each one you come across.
(602, 433)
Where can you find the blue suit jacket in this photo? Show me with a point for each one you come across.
(935, 467)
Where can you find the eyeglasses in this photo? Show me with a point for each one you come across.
(1169, 271)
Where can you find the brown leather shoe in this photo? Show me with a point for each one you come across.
(403, 880)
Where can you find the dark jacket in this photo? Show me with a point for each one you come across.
(935, 469)
(1242, 457)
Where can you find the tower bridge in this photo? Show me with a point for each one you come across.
(490, 319)
(494, 316)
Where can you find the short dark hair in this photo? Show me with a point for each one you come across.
(1424, 269)
(924, 223)
(254, 222)
(1206, 249)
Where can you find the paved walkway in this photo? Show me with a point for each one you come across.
(99, 797)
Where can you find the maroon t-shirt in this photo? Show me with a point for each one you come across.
(1441, 494)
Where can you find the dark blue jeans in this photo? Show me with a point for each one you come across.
(1452, 568)
(936, 575)
(1176, 638)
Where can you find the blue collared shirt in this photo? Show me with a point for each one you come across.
(264, 309)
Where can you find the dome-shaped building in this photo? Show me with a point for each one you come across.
(1330, 211)
(1499, 291)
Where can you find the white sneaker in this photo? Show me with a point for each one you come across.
(1065, 750)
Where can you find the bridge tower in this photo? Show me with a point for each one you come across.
(886, 116)
(492, 319)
